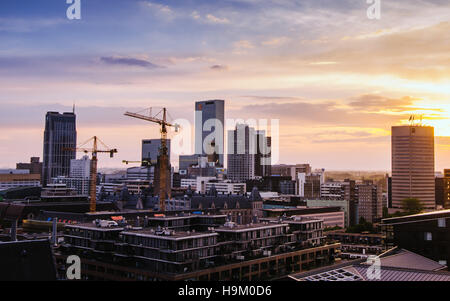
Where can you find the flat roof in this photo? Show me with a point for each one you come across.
(91, 226)
(175, 235)
(431, 214)
(243, 228)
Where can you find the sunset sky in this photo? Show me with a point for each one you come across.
(336, 80)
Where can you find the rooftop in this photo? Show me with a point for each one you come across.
(416, 217)
(395, 265)
(243, 228)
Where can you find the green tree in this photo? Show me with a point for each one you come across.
(412, 205)
(385, 212)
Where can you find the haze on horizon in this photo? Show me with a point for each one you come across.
(336, 80)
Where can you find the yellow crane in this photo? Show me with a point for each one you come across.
(164, 190)
(143, 162)
(93, 172)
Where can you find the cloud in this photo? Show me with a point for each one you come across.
(128, 61)
(333, 112)
(209, 18)
(19, 25)
(161, 8)
(213, 19)
(243, 44)
(374, 103)
(276, 41)
(218, 67)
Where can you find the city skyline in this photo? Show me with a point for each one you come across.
(271, 63)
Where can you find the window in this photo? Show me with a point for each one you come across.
(428, 236)
(441, 223)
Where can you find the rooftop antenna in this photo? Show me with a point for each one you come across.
(73, 108)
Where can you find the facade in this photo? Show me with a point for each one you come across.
(439, 188)
(79, 176)
(240, 209)
(413, 165)
(427, 234)
(263, 157)
(343, 204)
(290, 170)
(331, 216)
(389, 191)
(197, 248)
(21, 178)
(150, 150)
(241, 153)
(35, 167)
(359, 245)
(313, 184)
(80, 168)
(370, 202)
(209, 130)
(60, 133)
(446, 199)
(246, 160)
(186, 161)
(80, 185)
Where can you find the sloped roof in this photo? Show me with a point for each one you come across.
(220, 201)
(409, 260)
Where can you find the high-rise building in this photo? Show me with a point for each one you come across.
(446, 201)
(241, 153)
(249, 154)
(60, 133)
(263, 159)
(389, 191)
(370, 203)
(186, 161)
(150, 150)
(209, 130)
(413, 165)
(80, 168)
(79, 176)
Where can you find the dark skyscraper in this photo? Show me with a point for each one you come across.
(150, 150)
(60, 132)
(209, 129)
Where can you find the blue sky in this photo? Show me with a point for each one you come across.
(334, 78)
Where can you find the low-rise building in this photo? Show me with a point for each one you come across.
(258, 251)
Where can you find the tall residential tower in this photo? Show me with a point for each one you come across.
(413, 165)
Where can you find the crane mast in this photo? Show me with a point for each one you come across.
(164, 190)
(93, 167)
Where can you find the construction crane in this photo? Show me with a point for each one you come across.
(163, 151)
(143, 162)
(93, 172)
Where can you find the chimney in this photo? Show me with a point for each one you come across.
(14, 230)
(255, 219)
(137, 221)
(55, 232)
(239, 219)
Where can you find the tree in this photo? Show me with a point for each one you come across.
(385, 212)
(412, 205)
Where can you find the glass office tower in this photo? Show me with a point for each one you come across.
(60, 133)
